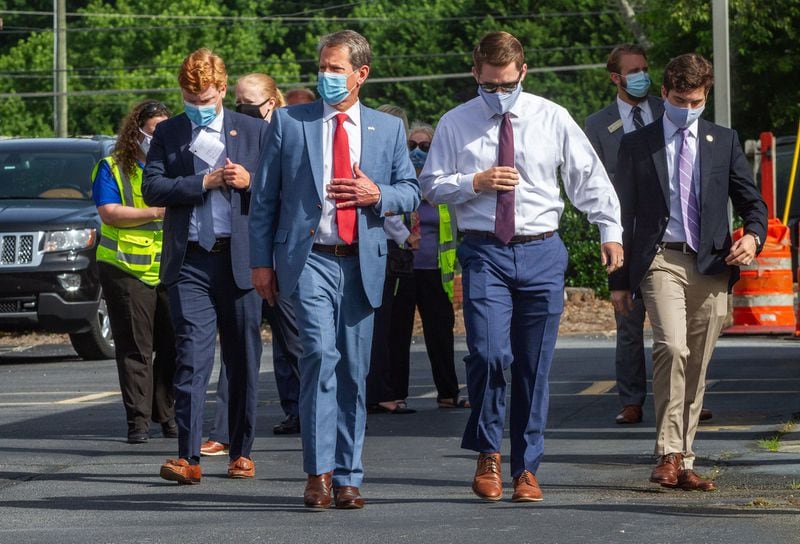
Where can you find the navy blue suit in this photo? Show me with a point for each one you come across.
(208, 289)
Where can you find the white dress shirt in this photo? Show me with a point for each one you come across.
(547, 141)
(328, 232)
(220, 202)
(626, 114)
(672, 137)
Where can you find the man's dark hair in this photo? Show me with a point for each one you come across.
(623, 49)
(498, 49)
(688, 72)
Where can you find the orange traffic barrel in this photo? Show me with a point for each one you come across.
(763, 298)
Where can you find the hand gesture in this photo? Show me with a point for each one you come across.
(359, 191)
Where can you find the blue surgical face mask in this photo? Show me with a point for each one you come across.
(500, 102)
(418, 157)
(200, 115)
(682, 117)
(333, 87)
(637, 84)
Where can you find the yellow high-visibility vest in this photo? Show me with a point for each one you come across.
(136, 250)
(447, 251)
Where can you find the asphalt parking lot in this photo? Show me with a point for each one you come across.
(67, 474)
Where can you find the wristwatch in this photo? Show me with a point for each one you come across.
(756, 237)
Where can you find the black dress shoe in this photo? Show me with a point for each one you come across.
(169, 429)
(138, 437)
(290, 425)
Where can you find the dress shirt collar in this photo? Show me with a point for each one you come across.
(353, 113)
(215, 125)
(670, 128)
(626, 110)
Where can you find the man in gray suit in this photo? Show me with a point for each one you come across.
(633, 109)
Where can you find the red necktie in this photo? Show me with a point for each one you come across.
(504, 214)
(345, 217)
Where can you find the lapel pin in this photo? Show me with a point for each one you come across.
(233, 132)
(372, 129)
(709, 138)
(615, 126)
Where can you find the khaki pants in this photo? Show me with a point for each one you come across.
(687, 310)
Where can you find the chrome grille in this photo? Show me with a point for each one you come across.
(18, 249)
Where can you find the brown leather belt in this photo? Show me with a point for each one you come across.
(337, 250)
(220, 244)
(683, 247)
(519, 239)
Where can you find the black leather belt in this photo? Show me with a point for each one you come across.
(683, 247)
(519, 239)
(220, 244)
(337, 250)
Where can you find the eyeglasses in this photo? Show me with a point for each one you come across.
(424, 146)
(506, 87)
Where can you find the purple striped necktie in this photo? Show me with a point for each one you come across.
(504, 212)
(689, 208)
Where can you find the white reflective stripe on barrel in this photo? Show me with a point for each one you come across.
(763, 300)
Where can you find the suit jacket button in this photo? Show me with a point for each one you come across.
(311, 232)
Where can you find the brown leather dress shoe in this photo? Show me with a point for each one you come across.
(689, 480)
(318, 490)
(526, 488)
(347, 497)
(212, 447)
(242, 468)
(705, 414)
(488, 482)
(179, 470)
(667, 469)
(632, 413)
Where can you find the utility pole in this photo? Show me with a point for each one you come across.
(60, 68)
(722, 61)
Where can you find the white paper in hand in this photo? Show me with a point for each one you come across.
(207, 148)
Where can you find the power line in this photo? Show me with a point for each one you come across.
(396, 79)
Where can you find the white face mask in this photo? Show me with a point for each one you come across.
(144, 144)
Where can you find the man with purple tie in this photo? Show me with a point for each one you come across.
(674, 179)
(497, 159)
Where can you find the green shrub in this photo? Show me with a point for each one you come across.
(583, 244)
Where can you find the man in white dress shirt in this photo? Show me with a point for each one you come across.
(497, 160)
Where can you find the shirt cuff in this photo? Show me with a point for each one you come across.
(610, 233)
(466, 185)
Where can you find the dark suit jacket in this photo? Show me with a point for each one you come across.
(642, 184)
(605, 141)
(169, 180)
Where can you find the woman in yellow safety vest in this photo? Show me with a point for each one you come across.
(128, 257)
(432, 239)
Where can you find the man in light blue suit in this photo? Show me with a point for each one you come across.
(330, 173)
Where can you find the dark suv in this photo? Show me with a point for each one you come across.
(49, 229)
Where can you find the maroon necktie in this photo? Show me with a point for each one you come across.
(504, 213)
(345, 217)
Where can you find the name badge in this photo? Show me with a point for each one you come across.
(615, 126)
(207, 148)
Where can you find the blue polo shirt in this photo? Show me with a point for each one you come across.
(104, 187)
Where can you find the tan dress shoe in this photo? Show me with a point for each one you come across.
(242, 468)
(526, 488)
(667, 469)
(631, 413)
(212, 448)
(179, 470)
(347, 497)
(690, 481)
(318, 490)
(488, 482)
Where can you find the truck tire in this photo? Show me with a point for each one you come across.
(97, 343)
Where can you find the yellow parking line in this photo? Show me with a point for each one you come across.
(599, 388)
(88, 398)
